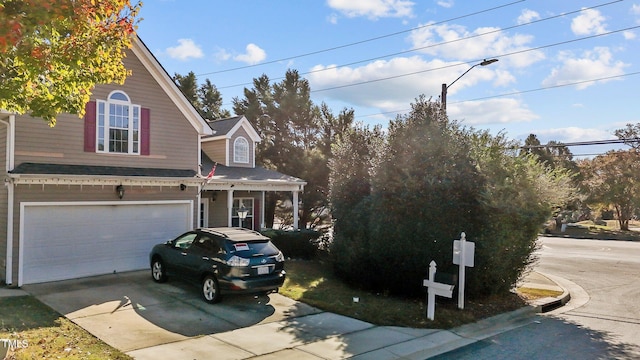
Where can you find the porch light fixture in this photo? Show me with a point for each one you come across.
(120, 191)
(242, 214)
(183, 187)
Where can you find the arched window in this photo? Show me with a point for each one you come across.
(241, 150)
(118, 124)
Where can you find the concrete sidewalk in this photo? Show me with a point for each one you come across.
(148, 321)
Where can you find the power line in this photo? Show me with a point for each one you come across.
(549, 87)
(477, 60)
(437, 44)
(582, 143)
(512, 93)
(362, 41)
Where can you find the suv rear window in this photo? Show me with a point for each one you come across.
(248, 249)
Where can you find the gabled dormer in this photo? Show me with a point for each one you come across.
(233, 142)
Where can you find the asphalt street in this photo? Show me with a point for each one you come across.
(601, 322)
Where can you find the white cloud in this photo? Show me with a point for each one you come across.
(590, 22)
(490, 112)
(446, 4)
(503, 78)
(457, 43)
(373, 9)
(222, 55)
(527, 16)
(390, 94)
(394, 94)
(332, 19)
(185, 50)
(572, 134)
(254, 54)
(635, 9)
(594, 64)
(629, 35)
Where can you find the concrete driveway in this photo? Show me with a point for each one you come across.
(131, 313)
(170, 321)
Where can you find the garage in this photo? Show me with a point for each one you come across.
(77, 239)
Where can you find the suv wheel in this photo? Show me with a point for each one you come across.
(210, 289)
(157, 271)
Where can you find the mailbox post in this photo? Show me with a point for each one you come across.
(463, 255)
(433, 289)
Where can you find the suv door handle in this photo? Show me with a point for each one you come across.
(183, 253)
(205, 258)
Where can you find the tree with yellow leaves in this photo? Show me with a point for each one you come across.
(54, 52)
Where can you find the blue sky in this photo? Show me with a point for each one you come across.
(567, 70)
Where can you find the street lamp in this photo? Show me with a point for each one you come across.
(443, 96)
(242, 214)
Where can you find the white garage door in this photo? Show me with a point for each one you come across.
(72, 240)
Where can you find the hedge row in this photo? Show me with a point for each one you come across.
(295, 244)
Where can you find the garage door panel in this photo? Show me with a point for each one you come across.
(70, 241)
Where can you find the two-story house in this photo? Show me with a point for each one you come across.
(92, 196)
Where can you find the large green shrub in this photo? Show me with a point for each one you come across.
(350, 188)
(433, 180)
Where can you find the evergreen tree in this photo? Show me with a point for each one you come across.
(210, 101)
(206, 98)
(296, 136)
(188, 84)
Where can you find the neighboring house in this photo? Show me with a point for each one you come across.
(92, 196)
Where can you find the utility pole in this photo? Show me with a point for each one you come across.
(445, 87)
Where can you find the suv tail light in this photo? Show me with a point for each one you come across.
(237, 261)
(280, 257)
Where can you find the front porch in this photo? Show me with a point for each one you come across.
(232, 188)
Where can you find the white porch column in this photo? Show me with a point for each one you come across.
(262, 207)
(229, 207)
(295, 210)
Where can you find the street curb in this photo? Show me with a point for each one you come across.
(547, 304)
(471, 333)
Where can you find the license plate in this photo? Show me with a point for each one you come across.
(263, 270)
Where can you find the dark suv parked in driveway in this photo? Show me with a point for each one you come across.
(221, 260)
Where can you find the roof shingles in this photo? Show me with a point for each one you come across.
(64, 169)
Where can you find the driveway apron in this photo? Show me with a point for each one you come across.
(130, 312)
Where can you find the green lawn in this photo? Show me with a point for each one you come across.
(589, 230)
(45, 334)
(312, 282)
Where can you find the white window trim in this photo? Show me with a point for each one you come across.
(236, 159)
(131, 129)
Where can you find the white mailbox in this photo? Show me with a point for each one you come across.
(469, 252)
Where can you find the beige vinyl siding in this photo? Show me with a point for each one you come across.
(218, 210)
(241, 133)
(216, 151)
(94, 193)
(174, 141)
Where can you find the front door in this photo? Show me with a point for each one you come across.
(203, 219)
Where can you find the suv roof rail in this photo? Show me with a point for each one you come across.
(221, 231)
